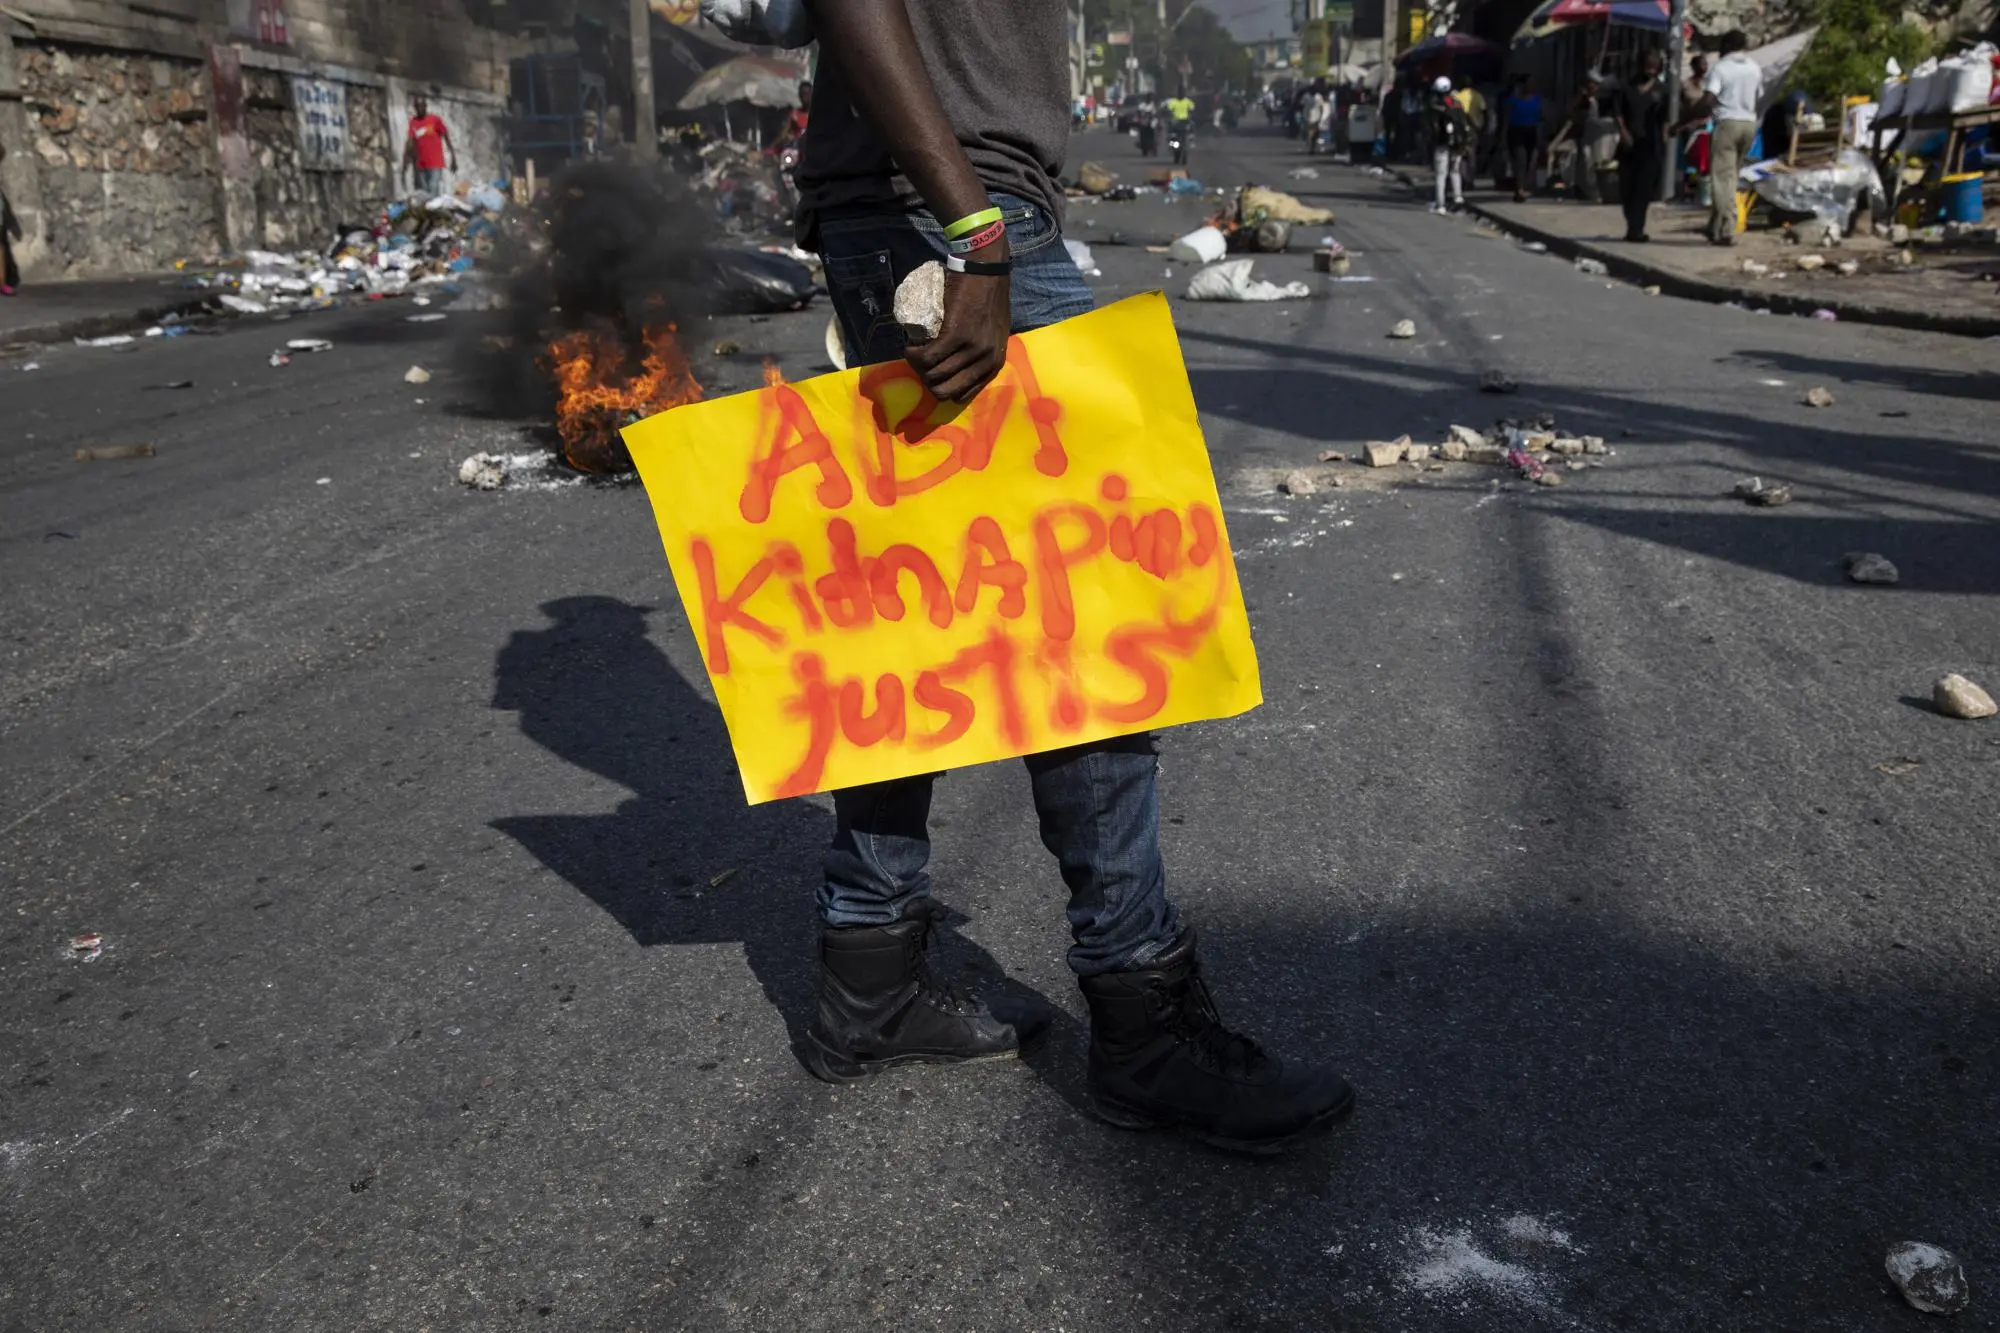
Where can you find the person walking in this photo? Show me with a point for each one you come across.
(1729, 100)
(1521, 112)
(1642, 142)
(939, 133)
(10, 232)
(427, 147)
(1450, 133)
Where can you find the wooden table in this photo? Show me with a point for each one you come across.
(1889, 159)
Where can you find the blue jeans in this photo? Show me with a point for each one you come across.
(1097, 803)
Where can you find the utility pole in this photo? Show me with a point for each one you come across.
(645, 128)
(1676, 72)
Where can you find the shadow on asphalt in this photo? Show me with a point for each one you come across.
(595, 691)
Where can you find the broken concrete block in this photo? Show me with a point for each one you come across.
(920, 302)
(1298, 482)
(1377, 453)
(1868, 567)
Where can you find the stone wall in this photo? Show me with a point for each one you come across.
(297, 205)
(126, 161)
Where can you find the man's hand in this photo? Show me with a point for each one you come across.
(972, 346)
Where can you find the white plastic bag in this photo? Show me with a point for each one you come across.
(783, 23)
(1890, 99)
(1972, 80)
(1232, 282)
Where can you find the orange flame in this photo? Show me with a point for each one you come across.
(773, 376)
(597, 391)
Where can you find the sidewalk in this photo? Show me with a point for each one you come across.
(55, 311)
(1942, 292)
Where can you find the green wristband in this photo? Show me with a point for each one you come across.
(971, 222)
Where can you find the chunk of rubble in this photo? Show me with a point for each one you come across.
(1847, 268)
(1415, 453)
(1452, 451)
(483, 472)
(1818, 397)
(1549, 479)
(1755, 268)
(1955, 696)
(1868, 567)
(1497, 381)
(1467, 436)
(1565, 444)
(1403, 328)
(416, 375)
(1930, 1278)
(1298, 482)
(919, 302)
(1379, 453)
(1754, 490)
(1810, 262)
(1594, 444)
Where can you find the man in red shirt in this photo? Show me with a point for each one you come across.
(428, 147)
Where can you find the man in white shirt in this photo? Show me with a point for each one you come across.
(1729, 94)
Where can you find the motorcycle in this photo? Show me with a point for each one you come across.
(1180, 137)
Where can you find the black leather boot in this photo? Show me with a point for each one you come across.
(1161, 1059)
(880, 1006)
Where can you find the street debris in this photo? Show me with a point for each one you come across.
(716, 881)
(483, 472)
(1652, 289)
(242, 305)
(1955, 696)
(1901, 766)
(1868, 567)
(431, 318)
(1929, 1278)
(1255, 205)
(1092, 178)
(1847, 268)
(1753, 490)
(1535, 247)
(1497, 381)
(1203, 245)
(1298, 482)
(1079, 254)
(309, 345)
(416, 375)
(280, 358)
(1380, 453)
(1304, 173)
(1403, 328)
(1818, 397)
(86, 947)
(1231, 281)
(1466, 435)
(1755, 268)
(323, 481)
(1807, 263)
(1548, 479)
(1332, 456)
(1825, 315)
(108, 340)
(171, 384)
(108, 452)
(730, 347)
(1596, 268)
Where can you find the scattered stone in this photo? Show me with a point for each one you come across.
(728, 347)
(1756, 268)
(1901, 766)
(1826, 316)
(1818, 397)
(1452, 451)
(1467, 436)
(1810, 262)
(416, 375)
(1380, 454)
(1298, 482)
(1955, 696)
(1485, 453)
(1847, 268)
(1898, 234)
(1404, 328)
(1906, 258)
(1563, 444)
(1594, 267)
(1416, 453)
(1594, 444)
(1652, 289)
(1332, 456)
(1868, 567)
(483, 472)
(1754, 491)
(1549, 479)
(1931, 1279)
(1497, 381)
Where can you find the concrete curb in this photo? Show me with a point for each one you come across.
(1620, 263)
(102, 324)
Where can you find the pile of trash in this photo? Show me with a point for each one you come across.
(744, 187)
(410, 245)
(1533, 449)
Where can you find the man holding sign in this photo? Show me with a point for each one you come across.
(937, 133)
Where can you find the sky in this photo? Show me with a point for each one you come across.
(1253, 20)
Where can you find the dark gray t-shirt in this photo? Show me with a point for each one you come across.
(1001, 70)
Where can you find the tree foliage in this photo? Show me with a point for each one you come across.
(1855, 42)
(1192, 33)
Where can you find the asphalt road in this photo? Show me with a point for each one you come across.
(402, 810)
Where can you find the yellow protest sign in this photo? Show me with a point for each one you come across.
(884, 585)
